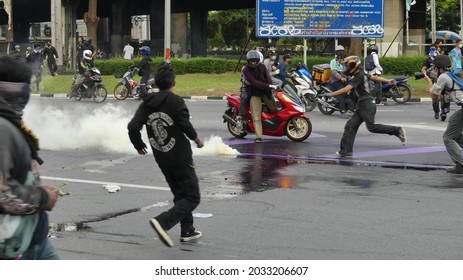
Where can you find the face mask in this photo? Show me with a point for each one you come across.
(432, 52)
(16, 95)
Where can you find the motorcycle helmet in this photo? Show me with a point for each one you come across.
(88, 40)
(442, 61)
(253, 55)
(37, 48)
(351, 65)
(340, 52)
(88, 54)
(373, 48)
(432, 52)
(145, 50)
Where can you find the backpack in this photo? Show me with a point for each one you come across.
(369, 63)
(457, 80)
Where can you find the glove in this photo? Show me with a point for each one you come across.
(272, 86)
(329, 94)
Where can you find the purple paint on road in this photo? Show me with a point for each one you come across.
(395, 152)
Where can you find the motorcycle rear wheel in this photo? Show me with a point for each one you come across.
(401, 94)
(298, 129)
(120, 91)
(100, 94)
(77, 95)
(236, 133)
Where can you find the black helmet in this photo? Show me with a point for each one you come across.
(286, 56)
(351, 65)
(88, 39)
(442, 61)
(373, 48)
(253, 55)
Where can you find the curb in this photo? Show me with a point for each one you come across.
(204, 97)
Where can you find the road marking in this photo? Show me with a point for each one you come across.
(105, 183)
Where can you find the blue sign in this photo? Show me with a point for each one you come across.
(320, 18)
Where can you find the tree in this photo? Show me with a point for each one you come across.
(91, 21)
(447, 15)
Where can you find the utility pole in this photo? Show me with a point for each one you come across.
(167, 30)
(433, 20)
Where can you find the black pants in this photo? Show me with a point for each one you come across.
(183, 183)
(143, 81)
(366, 111)
(52, 66)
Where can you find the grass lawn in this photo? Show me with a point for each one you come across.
(188, 85)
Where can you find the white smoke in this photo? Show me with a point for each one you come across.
(104, 128)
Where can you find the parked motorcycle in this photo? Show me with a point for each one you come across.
(328, 105)
(127, 86)
(400, 92)
(303, 81)
(290, 119)
(92, 87)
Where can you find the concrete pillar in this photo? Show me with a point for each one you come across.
(179, 34)
(157, 28)
(121, 24)
(198, 32)
(57, 29)
(393, 21)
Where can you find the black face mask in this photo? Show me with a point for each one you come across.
(16, 95)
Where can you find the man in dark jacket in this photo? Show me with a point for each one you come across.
(21, 192)
(145, 69)
(50, 53)
(35, 60)
(168, 126)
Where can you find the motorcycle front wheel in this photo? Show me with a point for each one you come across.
(100, 94)
(121, 91)
(401, 94)
(325, 109)
(310, 102)
(298, 129)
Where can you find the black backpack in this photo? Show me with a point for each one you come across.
(369, 63)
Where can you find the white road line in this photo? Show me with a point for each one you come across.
(105, 183)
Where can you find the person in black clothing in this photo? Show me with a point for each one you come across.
(145, 69)
(168, 126)
(365, 107)
(80, 49)
(50, 53)
(35, 60)
(3, 14)
(22, 192)
(88, 46)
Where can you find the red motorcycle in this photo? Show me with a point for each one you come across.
(290, 119)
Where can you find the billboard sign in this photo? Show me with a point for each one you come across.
(320, 18)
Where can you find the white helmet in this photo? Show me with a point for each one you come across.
(339, 48)
(88, 54)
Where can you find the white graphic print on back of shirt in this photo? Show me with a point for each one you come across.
(158, 121)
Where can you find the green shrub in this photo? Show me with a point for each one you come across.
(391, 65)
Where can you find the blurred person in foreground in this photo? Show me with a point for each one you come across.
(168, 126)
(24, 200)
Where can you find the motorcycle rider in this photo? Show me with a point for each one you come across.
(259, 86)
(145, 70)
(283, 75)
(372, 67)
(272, 67)
(365, 107)
(85, 64)
(453, 137)
(338, 79)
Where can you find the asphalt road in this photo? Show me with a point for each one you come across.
(276, 200)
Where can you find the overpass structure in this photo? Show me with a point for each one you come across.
(188, 24)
